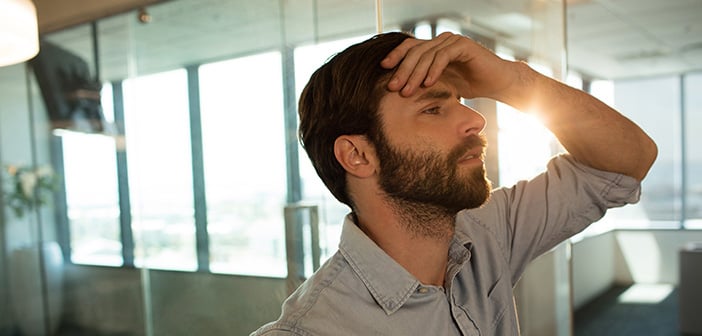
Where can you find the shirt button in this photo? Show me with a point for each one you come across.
(423, 290)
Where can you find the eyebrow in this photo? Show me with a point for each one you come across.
(434, 94)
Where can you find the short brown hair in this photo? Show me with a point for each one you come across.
(342, 98)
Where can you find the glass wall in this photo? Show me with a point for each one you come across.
(171, 220)
(692, 125)
(671, 196)
(244, 163)
(157, 128)
(661, 202)
(182, 191)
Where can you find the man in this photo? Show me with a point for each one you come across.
(428, 249)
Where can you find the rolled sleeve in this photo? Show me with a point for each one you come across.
(533, 216)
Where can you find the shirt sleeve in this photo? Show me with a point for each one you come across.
(534, 216)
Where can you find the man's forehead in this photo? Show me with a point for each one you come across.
(444, 88)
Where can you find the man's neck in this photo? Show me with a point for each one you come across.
(416, 236)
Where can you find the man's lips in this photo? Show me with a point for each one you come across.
(478, 153)
(472, 149)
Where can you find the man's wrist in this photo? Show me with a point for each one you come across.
(523, 86)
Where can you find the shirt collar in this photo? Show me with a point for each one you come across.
(460, 237)
(387, 281)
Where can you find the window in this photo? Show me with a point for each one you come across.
(244, 160)
(659, 116)
(157, 130)
(692, 86)
(90, 177)
(525, 144)
(244, 164)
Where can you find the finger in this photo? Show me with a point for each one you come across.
(418, 74)
(431, 64)
(411, 54)
(411, 59)
(448, 51)
(395, 56)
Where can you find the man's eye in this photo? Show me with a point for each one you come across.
(432, 110)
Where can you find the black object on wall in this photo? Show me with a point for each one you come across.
(70, 93)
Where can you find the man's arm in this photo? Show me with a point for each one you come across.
(592, 132)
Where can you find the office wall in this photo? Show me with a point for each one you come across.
(542, 295)
(135, 302)
(623, 257)
(593, 267)
(650, 256)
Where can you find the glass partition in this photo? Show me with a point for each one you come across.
(660, 205)
(692, 122)
(171, 220)
(157, 133)
(244, 163)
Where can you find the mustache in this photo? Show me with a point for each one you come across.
(476, 140)
(469, 143)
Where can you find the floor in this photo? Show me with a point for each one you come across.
(621, 312)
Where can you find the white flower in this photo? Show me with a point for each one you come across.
(44, 171)
(28, 180)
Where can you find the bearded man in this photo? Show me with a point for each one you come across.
(428, 248)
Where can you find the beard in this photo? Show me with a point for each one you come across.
(427, 186)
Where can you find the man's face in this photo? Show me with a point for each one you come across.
(432, 177)
(431, 150)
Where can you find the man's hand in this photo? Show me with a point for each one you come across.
(478, 71)
(592, 132)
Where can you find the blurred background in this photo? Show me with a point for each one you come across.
(153, 183)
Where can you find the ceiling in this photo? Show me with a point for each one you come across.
(609, 39)
(632, 38)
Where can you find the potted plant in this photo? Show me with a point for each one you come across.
(29, 187)
(35, 270)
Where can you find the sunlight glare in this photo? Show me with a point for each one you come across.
(645, 293)
(525, 145)
(641, 254)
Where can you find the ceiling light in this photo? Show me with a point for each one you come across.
(19, 35)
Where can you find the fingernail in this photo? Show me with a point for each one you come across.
(385, 62)
(407, 90)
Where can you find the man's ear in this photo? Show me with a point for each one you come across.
(355, 154)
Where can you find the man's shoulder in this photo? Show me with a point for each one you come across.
(310, 308)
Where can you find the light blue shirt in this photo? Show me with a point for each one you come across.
(363, 291)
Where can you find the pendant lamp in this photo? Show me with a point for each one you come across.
(19, 34)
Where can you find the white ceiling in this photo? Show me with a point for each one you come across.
(631, 38)
(605, 38)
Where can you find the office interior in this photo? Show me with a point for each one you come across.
(177, 200)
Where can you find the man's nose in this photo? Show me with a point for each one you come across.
(472, 122)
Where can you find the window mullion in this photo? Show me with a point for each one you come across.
(125, 208)
(202, 242)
